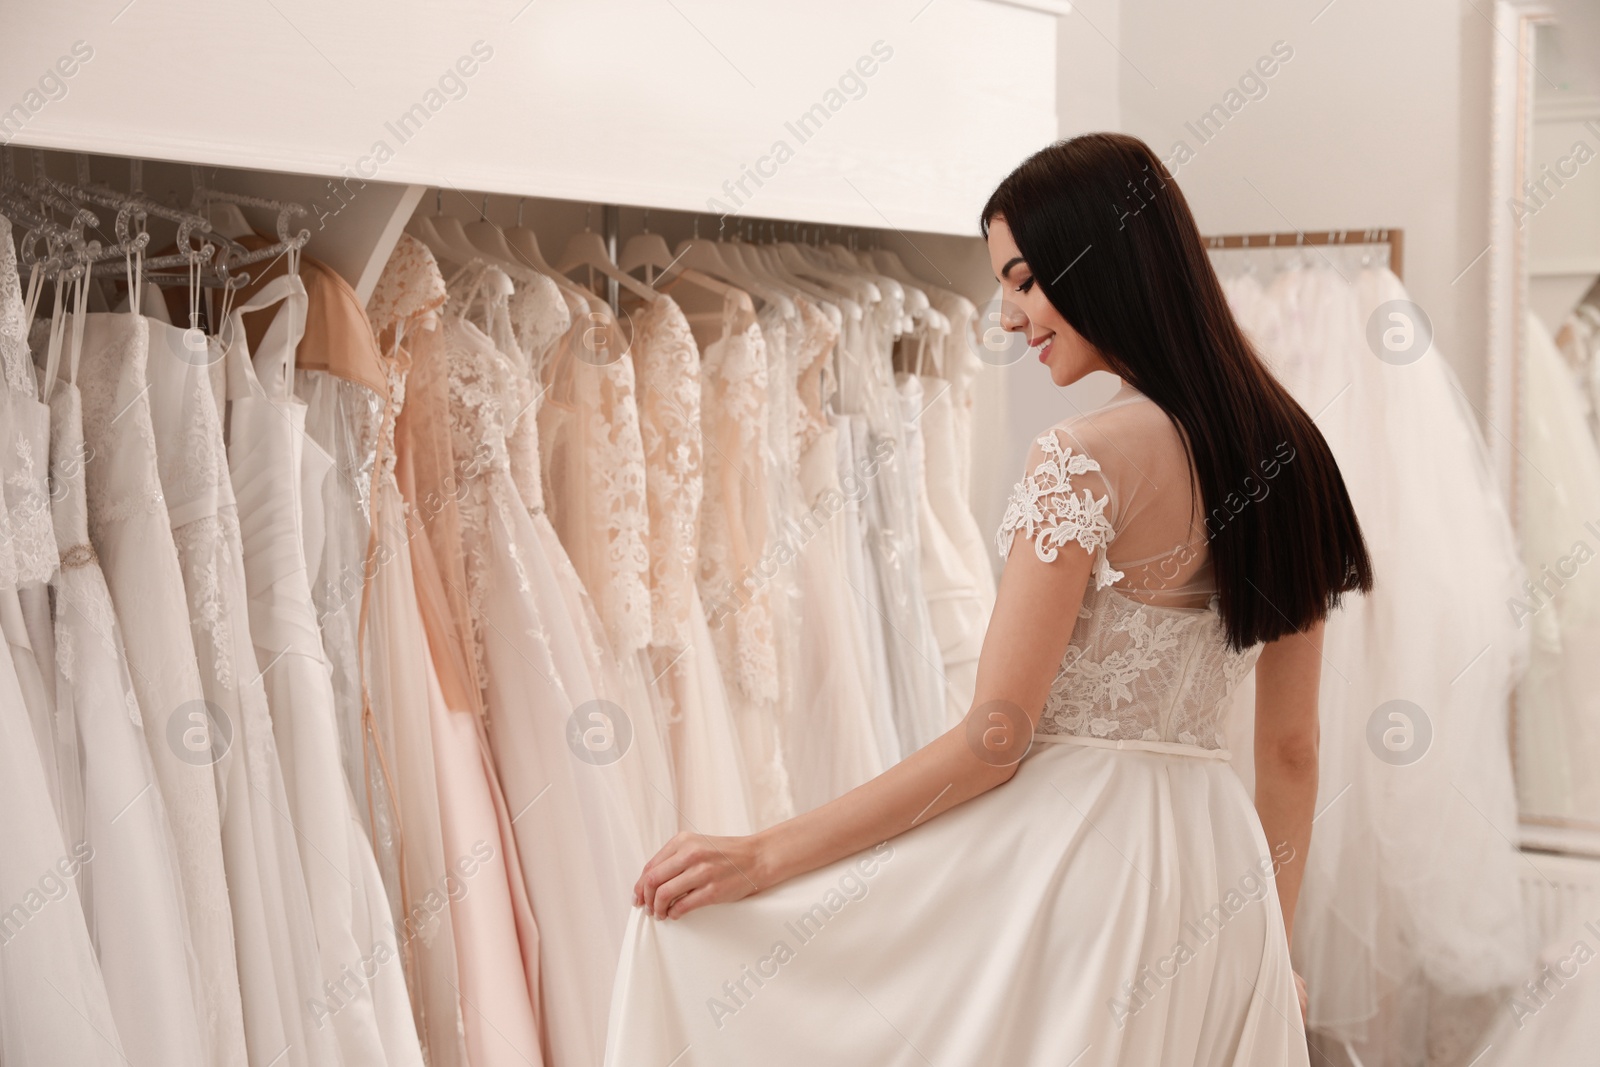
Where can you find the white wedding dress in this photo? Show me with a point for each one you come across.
(131, 535)
(54, 1003)
(363, 998)
(1112, 904)
(273, 935)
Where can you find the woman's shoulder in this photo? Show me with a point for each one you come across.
(1116, 433)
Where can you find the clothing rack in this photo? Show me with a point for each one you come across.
(1394, 238)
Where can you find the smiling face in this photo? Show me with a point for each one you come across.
(1026, 310)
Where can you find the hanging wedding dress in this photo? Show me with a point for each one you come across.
(592, 457)
(1084, 952)
(782, 337)
(364, 999)
(357, 544)
(131, 893)
(857, 466)
(733, 549)
(1386, 930)
(829, 739)
(30, 542)
(495, 965)
(53, 999)
(54, 1003)
(273, 934)
(713, 796)
(956, 608)
(537, 654)
(131, 535)
(1558, 712)
(867, 394)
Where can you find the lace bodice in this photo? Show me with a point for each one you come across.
(407, 298)
(1134, 670)
(593, 457)
(667, 362)
(481, 382)
(733, 527)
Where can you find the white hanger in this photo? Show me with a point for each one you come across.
(788, 265)
(588, 249)
(650, 251)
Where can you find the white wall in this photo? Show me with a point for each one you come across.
(1380, 118)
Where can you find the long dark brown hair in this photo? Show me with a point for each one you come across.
(1109, 237)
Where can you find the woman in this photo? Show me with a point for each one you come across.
(1118, 901)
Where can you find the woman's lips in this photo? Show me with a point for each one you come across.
(1044, 349)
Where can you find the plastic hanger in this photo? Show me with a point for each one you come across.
(587, 249)
(646, 249)
(747, 273)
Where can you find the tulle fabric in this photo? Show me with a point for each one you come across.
(1558, 707)
(1384, 910)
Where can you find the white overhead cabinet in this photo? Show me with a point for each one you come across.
(899, 115)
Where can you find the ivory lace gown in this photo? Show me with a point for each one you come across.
(131, 534)
(495, 959)
(733, 546)
(713, 796)
(1112, 903)
(537, 660)
(363, 997)
(592, 456)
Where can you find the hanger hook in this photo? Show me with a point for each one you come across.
(438, 201)
(483, 211)
(645, 226)
(520, 201)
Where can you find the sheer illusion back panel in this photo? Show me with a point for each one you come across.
(1152, 501)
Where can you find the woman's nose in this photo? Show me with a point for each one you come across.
(1011, 317)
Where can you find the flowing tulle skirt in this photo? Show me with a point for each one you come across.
(1103, 907)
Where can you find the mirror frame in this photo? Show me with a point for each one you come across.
(1511, 145)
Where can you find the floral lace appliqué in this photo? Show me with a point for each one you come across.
(1049, 512)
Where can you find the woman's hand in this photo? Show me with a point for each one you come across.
(693, 870)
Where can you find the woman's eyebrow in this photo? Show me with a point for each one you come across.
(1005, 271)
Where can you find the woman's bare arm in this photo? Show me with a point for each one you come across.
(1035, 610)
(1287, 734)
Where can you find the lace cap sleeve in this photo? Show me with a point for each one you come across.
(1051, 510)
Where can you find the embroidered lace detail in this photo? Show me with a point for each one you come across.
(668, 365)
(111, 379)
(539, 315)
(736, 596)
(26, 525)
(27, 489)
(15, 363)
(409, 287)
(78, 556)
(595, 475)
(199, 545)
(1048, 511)
(815, 380)
(1135, 671)
(482, 386)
